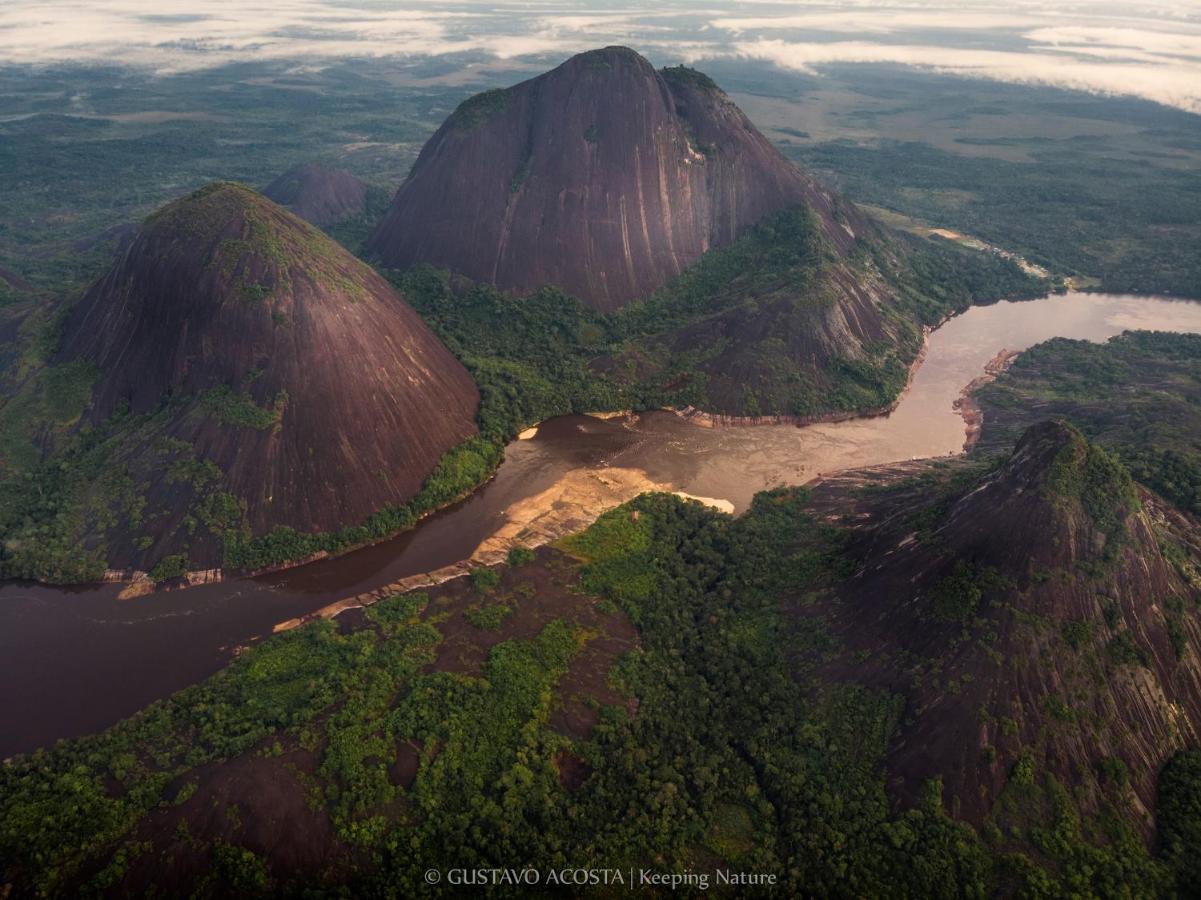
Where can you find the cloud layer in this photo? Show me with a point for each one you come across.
(1173, 82)
(1145, 49)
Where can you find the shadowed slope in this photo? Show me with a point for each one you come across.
(1041, 622)
(306, 379)
(318, 194)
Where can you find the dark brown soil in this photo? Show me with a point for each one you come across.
(573, 771)
(403, 771)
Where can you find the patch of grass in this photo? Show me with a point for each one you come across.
(686, 75)
(232, 407)
(519, 556)
(43, 410)
(169, 567)
(1123, 651)
(489, 616)
(484, 579)
(732, 834)
(1076, 633)
(480, 108)
(958, 595)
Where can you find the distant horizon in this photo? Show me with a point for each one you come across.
(1146, 50)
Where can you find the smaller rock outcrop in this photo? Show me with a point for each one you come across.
(319, 194)
(1038, 619)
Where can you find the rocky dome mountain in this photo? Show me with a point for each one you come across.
(269, 367)
(760, 293)
(319, 194)
(1037, 618)
(603, 177)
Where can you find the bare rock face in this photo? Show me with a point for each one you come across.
(1038, 628)
(603, 177)
(244, 332)
(318, 194)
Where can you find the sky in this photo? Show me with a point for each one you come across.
(1141, 48)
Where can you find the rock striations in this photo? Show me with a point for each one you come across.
(1040, 622)
(245, 334)
(603, 177)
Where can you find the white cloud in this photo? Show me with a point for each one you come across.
(1145, 48)
(1177, 84)
(1085, 38)
(179, 35)
(879, 21)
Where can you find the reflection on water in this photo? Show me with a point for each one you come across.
(75, 661)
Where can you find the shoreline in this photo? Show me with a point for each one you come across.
(317, 593)
(138, 583)
(559, 519)
(966, 404)
(570, 505)
(720, 420)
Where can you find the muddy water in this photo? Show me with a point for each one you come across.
(74, 661)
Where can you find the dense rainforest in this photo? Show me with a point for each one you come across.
(1139, 394)
(966, 678)
(1121, 224)
(640, 696)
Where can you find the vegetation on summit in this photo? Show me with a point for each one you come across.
(531, 358)
(963, 683)
(811, 311)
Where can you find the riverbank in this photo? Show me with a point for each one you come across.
(718, 420)
(966, 404)
(567, 507)
(138, 583)
(582, 496)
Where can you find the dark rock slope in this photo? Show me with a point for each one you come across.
(319, 194)
(245, 334)
(603, 177)
(1040, 620)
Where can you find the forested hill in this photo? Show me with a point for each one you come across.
(758, 328)
(728, 279)
(1139, 395)
(158, 453)
(604, 177)
(236, 378)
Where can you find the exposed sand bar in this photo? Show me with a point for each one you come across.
(570, 505)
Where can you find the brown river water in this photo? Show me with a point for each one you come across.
(73, 661)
